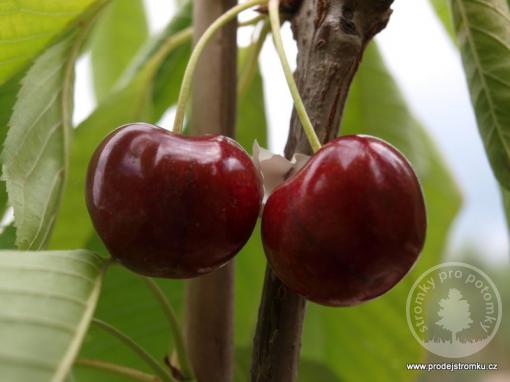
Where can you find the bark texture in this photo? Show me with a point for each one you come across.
(331, 36)
(209, 302)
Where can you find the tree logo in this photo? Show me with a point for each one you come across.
(454, 310)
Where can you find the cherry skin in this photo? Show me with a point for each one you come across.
(349, 225)
(171, 206)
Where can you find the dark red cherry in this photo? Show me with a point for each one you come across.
(349, 225)
(172, 206)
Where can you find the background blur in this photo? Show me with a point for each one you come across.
(428, 70)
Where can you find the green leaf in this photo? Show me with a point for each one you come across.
(127, 303)
(8, 237)
(312, 371)
(169, 77)
(118, 35)
(166, 86)
(443, 11)
(251, 114)
(36, 148)
(379, 328)
(8, 92)
(48, 299)
(483, 30)
(26, 28)
(179, 22)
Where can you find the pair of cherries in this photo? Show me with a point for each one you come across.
(342, 230)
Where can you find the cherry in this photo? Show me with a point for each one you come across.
(170, 206)
(349, 225)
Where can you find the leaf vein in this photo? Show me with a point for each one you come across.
(491, 35)
(479, 68)
(26, 38)
(34, 123)
(39, 294)
(48, 225)
(491, 7)
(33, 268)
(23, 361)
(37, 321)
(81, 329)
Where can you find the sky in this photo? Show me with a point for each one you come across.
(428, 69)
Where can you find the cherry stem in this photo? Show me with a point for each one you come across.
(149, 359)
(252, 21)
(197, 51)
(274, 17)
(120, 370)
(175, 329)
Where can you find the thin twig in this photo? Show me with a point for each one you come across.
(149, 359)
(175, 329)
(253, 21)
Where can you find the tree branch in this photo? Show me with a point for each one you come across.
(209, 310)
(331, 36)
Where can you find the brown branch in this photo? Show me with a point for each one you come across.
(209, 302)
(331, 36)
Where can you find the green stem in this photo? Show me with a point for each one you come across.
(175, 329)
(200, 46)
(251, 61)
(149, 359)
(252, 21)
(274, 16)
(124, 371)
